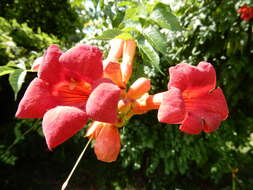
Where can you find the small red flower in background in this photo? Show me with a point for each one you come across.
(246, 12)
(68, 91)
(192, 99)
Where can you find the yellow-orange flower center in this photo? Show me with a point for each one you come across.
(72, 92)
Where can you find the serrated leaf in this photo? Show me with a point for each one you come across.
(146, 48)
(125, 36)
(4, 70)
(156, 38)
(134, 13)
(109, 34)
(164, 18)
(131, 14)
(16, 80)
(130, 25)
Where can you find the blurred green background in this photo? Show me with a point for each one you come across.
(153, 155)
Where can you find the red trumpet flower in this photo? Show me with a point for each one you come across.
(68, 91)
(246, 12)
(192, 99)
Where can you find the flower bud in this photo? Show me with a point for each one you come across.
(127, 60)
(139, 88)
(116, 49)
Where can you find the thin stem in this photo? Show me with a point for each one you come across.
(64, 185)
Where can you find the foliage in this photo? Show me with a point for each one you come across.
(53, 17)
(19, 46)
(213, 32)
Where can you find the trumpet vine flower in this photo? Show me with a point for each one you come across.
(246, 12)
(193, 100)
(68, 91)
(75, 86)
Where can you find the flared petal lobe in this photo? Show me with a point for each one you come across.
(172, 108)
(107, 145)
(36, 100)
(192, 124)
(187, 77)
(102, 103)
(86, 61)
(61, 123)
(50, 69)
(211, 102)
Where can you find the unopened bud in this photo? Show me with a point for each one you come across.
(138, 88)
(116, 49)
(127, 60)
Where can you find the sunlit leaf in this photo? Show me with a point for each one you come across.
(4, 70)
(163, 17)
(148, 51)
(16, 80)
(156, 38)
(125, 36)
(109, 34)
(127, 3)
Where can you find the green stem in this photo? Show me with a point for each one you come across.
(233, 183)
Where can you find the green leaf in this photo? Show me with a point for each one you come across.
(131, 14)
(127, 3)
(125, 36)
(163, 17)
(146, 49)
(156, 38)
(4, 70)
(137, 12)
(109, 34)
(16, 79)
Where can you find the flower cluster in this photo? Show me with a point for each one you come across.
(75, 86)
(246, 12)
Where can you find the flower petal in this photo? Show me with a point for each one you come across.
(85, 61)
(211, 122)
(172, 109)
(61, 123)
(212, 102)
(50, 69)
(192, 124)
(113, 72)
(102, 103)
(94, 129)
(36, 100)
(107, 145)
(186, 77)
